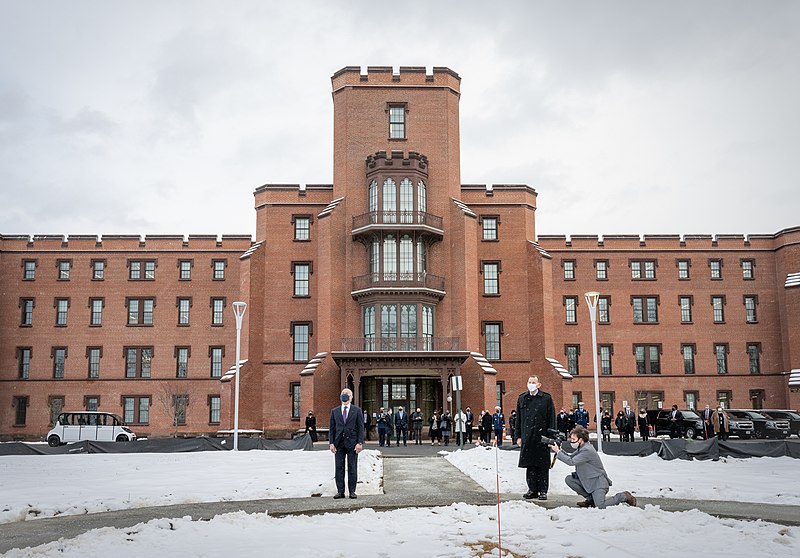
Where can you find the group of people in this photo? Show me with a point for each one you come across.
(534, 422)
(626, 422)
(715, 423)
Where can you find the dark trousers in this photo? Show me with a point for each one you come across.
(499, 435)
(381, 435)
(352, 469)
(418, 434)
(674, 430)
(469, 433)
(538, 479)
(401, 432)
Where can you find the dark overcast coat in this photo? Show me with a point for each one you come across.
(535, 414)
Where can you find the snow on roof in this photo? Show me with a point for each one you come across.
(228, 376)
(330, 207)
(792, 280)
(250, 250)
(463, 207)
(559, 368)
(541, 250)
(313, 363)
(794, 377)
(483, 363)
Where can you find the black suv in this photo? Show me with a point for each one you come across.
(765, 427)
(691, 426)
(781, 414)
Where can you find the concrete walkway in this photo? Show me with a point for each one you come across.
(407, 483)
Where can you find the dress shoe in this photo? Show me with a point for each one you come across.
(630, 499)
(588, 503)
(543, 496)
(529, 495)
(339, 495)
(352, 496)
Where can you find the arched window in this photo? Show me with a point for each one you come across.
(369, 328)
(406, 258)
(389, 258)
(422, 258)
(374, 259)
(422, 200)
(427, 327)
(406, 201)
(389, 201)
(373, 198)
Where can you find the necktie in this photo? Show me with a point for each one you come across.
(344, 415)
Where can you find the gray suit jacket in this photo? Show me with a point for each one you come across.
(588, 467)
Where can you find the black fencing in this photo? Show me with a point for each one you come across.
(158, 445)
(705, 449)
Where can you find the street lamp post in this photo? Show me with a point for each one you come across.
(591, 302)
(238, 311)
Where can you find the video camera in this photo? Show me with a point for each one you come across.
(553, 437)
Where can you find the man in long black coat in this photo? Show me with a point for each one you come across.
(535, 414)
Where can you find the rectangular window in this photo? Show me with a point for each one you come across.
(688, 358)
(181, 362)
(750, 302)
(645, 309)
(489, 228)
(721, 355)
(607, 402)
(397, 122)
(184, 304)
(21, 414)
(138, 362)
(302, 228)
(603, 313)
(690, 399)
(29, 273)
(572, 352)
(59, 362)
(493, 331)
(747, 270)
(213, 409)
(140, 311)
(408, 327)
(725, 398)
(683, 269)
(427, 327)
(26, 306)
(294, 388)
(142, 270)
(577, 397)
(62, 304)
(56, 403)
(569, 270)
(388, 327)
(605, 359)
(753, 356)
(643, 269)
(179, 405)
(300, 333)
(185, 267)
(93, 355)
(64, 267)
(686, 309)
(98, 270)
(716, 269)
(217, 307)
(136, 409)
(571, 309)
(648, 359)
(499, 390)
(91, 402)
(219, 270)
(718, 303)
(301, 272)
(216, 354)
(368, 321)
(491, 278)
(601, 269)
(24, 362)
(97, 312)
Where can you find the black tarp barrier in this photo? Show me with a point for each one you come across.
(158, 445)
(755, 448)
(640, 449)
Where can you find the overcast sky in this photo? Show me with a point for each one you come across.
(162, 117)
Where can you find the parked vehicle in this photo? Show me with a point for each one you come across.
(783, 414)
(740, 427)
(89, 425)
(691, 424)
(764, 427)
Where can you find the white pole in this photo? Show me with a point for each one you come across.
(591, 302)
(238, 311)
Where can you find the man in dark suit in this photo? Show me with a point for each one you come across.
(535, 415)
(346, 437)
(675, 418)
(708, 426)
(630, 424)
(401, 426)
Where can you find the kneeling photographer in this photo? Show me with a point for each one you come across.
(589, 479)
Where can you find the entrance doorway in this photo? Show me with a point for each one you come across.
(409, 392)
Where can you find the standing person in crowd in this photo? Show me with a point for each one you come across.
(469, 423)
(401, 426)
(512, 427)
(486, 422)
(498, 422)
(571, 419)
(721, 423)
(675, 418)
(434, 431)
(311, 426)
(619, 422)
(461, 427)
(589, 479)
(605, 426)
(346, 436)
(644, 427)
(535, 415)
(480, 426)
(389, 427)
(380, 423)
(445, 424)
(630, 424)
(582, 415)
(417, 418)
(562, 422)
(708, 425)
(367, 424)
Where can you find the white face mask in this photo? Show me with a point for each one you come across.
(533, 387)
(574, 445)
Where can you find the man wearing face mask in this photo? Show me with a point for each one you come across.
(589, 479)
(346, 437)
(535, 415)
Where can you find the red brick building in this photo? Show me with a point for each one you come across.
(391, 281)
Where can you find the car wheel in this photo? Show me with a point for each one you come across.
(54, 441)
(122, 438)
(690, 433)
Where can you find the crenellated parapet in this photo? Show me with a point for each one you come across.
(122, 242)
(396, 161)
(350, 76)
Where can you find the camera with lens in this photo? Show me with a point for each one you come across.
(553, 437)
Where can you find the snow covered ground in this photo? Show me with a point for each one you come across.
(69, 484)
